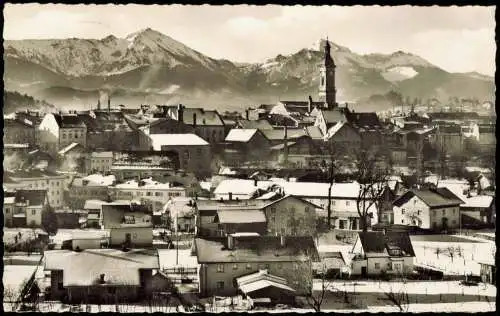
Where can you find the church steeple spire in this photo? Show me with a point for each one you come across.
(327, 90)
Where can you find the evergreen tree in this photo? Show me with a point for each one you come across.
(49, 220)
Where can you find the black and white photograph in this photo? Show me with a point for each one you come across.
(249, 158)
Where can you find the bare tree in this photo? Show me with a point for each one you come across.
(330, 168)
(437, 251)
(450, 251)
(316, 300)
(372, 176)
(399, 299)
(11, 296)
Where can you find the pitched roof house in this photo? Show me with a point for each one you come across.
(101, 275)
(224, 260)
(378, 252)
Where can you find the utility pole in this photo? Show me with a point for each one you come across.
(177, 236)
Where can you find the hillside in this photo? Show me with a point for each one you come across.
(148, 66)
(14, 101)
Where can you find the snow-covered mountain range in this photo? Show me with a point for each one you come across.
(150, 67)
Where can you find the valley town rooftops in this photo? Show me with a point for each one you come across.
(434, 198)
(240, 135)
(159, 140)
(378, 242)
(256, 249)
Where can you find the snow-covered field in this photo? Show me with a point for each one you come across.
(467, 307)
(466, 263)
(410, 287)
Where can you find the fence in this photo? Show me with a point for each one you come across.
(182, 274)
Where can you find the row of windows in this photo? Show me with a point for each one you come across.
(248, 266)
(70, 136)
(101, 161)
(44, 184)
(149, 193)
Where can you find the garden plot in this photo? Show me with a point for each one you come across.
(453, 258)
(410, 287)
(167, 258)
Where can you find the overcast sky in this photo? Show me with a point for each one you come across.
(458, 39)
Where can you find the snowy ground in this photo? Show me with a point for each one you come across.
(185, 260)
(58, 307)
(410, 287)
(14, 276)
(466, 263)
(67, 234)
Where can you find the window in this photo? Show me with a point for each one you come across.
(220, 285)
(333, 203)
(158, 194)
(444, 212)
(453, 222)
(402, 221)
(280, 265)
(419, 212)
(414, 202)
(346, 203)
(267, 266)
(129, 219)
(60, 285)
(377, 265)
(7, 211)
(33, 212)
(454, 211)
(235, 266)
(249, 266)
(220, 268)
(148, 193)
(402, 211)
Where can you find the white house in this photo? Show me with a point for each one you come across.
(375, 253)
(28, 209)
(147, 190)
(428, 209)
(128, 224)
(57, 131)
(343, 203)
(38, 179)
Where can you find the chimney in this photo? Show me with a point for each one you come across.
(310, 104)
(230, 196)
(194, 120)
(285, 154)
(282, 241)
(180, 113)
(230, 242)
(247, 114)
(101, 279)
(109, 103)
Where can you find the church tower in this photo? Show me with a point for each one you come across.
(327, 91)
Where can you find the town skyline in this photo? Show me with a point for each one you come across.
(462, 38)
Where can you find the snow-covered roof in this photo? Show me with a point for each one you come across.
(9, 200)
(159, 140)
(240, 135)
(101, 154)
(100, 179)
(314, 189)
(148, 183)
(479, 201)
(206, 185)
(68, 148)
(241, 186)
